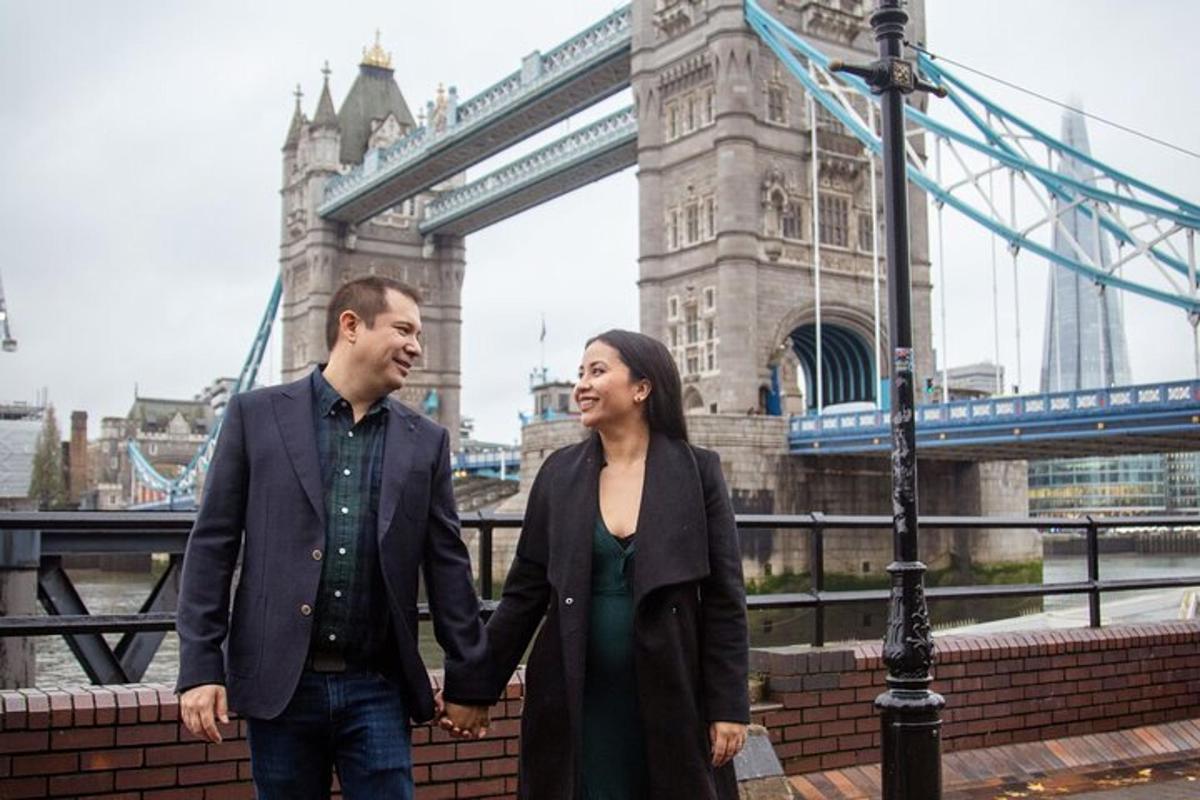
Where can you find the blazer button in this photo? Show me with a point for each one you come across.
(316, 555)
(569, 601)
(305, 609)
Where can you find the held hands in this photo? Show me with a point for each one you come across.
(463, 722)
(201, 707)
(727, 739)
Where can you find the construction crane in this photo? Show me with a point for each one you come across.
(9, 343)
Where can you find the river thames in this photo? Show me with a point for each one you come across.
(119, 592)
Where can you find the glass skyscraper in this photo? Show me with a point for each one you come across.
(1084, 348)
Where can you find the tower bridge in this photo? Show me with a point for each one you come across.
(758, 224)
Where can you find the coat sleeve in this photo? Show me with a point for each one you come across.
(453, 603)
(725, 634)
(202, 621)
(526, 589)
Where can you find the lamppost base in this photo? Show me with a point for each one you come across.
(912, 743)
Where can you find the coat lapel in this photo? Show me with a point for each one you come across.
(672, 543)
(398, 446)
(294, 414)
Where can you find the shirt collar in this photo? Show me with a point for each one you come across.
(328, 399)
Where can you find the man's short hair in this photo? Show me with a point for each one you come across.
(366, 297)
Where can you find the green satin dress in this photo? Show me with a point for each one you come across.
(614, 755)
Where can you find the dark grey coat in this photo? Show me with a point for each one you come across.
(691, 642)
(263, 490)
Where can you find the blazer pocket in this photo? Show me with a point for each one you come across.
(414, 495)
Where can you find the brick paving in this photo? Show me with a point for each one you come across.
(1152, 762)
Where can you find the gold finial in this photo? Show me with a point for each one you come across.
(298, 94)
(377, 56)
(326, 71)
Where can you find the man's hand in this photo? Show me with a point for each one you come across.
(465, 722)
(201, 707)
(727, 739)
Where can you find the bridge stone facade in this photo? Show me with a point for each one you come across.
(317, 255)
(725, 175)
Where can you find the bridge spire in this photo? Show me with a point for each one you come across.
(376, 56)
(297, 125)
(325, 117)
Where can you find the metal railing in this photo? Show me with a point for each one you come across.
(59, 534)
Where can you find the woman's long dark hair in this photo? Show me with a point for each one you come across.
(649, 360)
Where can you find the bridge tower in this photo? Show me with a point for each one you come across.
(318, 255)
(725, 172)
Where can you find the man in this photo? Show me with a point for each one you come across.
(335, 494)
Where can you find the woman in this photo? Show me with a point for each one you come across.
(636, 686)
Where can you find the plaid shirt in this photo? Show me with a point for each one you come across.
(351, 614)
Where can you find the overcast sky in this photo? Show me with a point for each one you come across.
(140, 164)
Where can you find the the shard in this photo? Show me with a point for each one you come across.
(1084, 345)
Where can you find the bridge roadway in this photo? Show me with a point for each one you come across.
(548, 88)
(1151, 418)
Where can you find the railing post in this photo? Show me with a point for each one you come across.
(485, 555)
(816, 565)
(1093, 572)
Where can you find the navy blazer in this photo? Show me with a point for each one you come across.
(263, 497)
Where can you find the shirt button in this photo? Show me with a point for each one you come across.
(350, 434)
(337, 592)
(346, 472)
(333, 637)
(341, 551)
(316, 555)
(305, 609)
(345, 510)
(569, 601)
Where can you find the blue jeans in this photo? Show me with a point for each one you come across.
(355, 720)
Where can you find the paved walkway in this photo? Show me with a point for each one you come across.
(1155, 762)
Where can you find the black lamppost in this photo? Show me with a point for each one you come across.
(910, 712)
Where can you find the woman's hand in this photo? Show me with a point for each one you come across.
(727, 739)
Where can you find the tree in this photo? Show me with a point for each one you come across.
(47, 485)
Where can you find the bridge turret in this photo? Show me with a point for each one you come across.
(374, 113)
(325, 131)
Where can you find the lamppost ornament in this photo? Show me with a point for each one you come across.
(910, 713)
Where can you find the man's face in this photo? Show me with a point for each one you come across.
(388, 349)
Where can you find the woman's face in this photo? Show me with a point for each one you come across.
(606, 392)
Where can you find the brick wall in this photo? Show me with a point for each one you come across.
(999, 689)
(126, 741)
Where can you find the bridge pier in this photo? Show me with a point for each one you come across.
(18, 597)
(764, 478)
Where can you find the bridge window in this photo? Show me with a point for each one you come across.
(834, 219)
(776, 104)
(826, 121)
(693, 361)
(710, 298)
(672, 121)
(672, 307)
(689, 118)
(693, 324)
(790, 220)
(710, 355)
(693, 223)
(710, 217)
(710, 105)
(865, 224)
(673, 229)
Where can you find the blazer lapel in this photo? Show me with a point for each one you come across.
(294, 414)
(398, 446)
(672, 543)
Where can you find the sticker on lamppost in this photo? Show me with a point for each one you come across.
(904, 359)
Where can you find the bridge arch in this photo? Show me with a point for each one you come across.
(848, 361)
